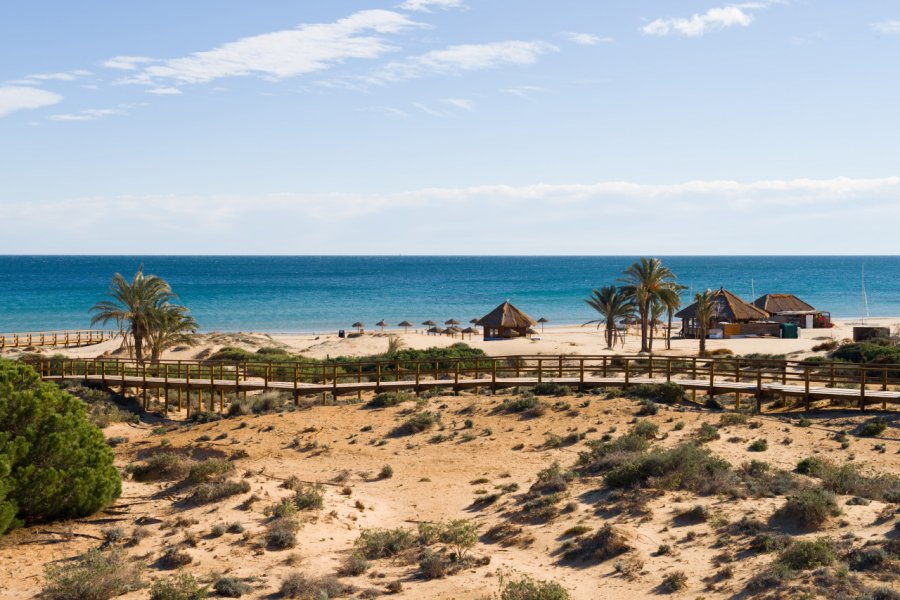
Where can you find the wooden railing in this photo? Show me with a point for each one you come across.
(758, 379)
(37, 339)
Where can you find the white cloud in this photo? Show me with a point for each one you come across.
(563, 217)
(13, 98)
(286, 53)
(464, 57)
(523, 91)
(62, 76)
(734, 15)
(460, 103)
(887, 27)
(165, 91)
(428, 110)
(427, 5)
(90, 114)
(127, 63)
(587, 39)
(388, 111)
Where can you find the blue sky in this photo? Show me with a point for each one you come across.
(449, 127)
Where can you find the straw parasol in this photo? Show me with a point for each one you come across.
(405, 325)
(381, 324)
(429, 323)
(543, 320)
(470, 331)
(453, 330)
(435, 329)
(474, 323)
(451, 322)
(358, 326)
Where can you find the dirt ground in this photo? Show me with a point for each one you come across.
(474, 450)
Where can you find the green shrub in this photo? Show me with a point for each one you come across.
(386, 399)
(604, 544)
(387, 471)
(96, 575)
(770, 577)
(549, 388)
(309, 497)
(648, 408)
(868, 558)
(432, 565)
(533, 589)
(810, 507)
(418, 423)
(182, 586)
(520, 405)
(873, 427)
(683, 467)
(760, 445)
(384, 543)
(847, 480)
(733, 418)
(867, 352)
(354, 565)
(230, 587)
(54, 464)
(668, 393)
(460, 535)
(281, 533)
(645, 429)
(803, 555)
(707, 433)
(674, 582)
(208, 470)
(300, 585)
(218, 490)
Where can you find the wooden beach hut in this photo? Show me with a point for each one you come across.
(728, 310)
(505, 322)
(788, 308)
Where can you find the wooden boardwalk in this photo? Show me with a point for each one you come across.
(756, 380)
(64, 339)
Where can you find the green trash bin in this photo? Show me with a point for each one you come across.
(789, 331)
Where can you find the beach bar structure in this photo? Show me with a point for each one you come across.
(505, 322)
(788, 308)
(731, 317)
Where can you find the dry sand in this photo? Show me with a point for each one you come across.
(433, 482)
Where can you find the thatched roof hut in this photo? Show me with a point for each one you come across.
(728, 308)
(782, 303)
(506, 321)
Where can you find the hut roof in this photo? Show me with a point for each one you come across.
(728, 308)
(506, 315)
(778, 303)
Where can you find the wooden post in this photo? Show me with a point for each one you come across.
(806, 398)
(832, 375)
(493, 374)
(378, 375)
(145, 386)
(166, 389)
(627, 371)
(650, 367)
(581, 374)
(518, 368)
(560, 366)
(334, 387)
(604, 366)
(456, 377)
(712, 378)
(540, 370)
(359, 380)
(668, 370)
(784, 372)
(418, 376)
(759, 390)
(862, 390)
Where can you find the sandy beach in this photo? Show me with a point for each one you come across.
(554, 340)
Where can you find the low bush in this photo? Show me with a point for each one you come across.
(208, 470)
(182, 586)
(868, 558)
(218, 490)
(96, 575)
(384, 543)
(418, 423)
(386, 472)
(533, 589)
(848, 480)
(309, 497)
(648, 408)
(354, 565)
(810, 507)
(281, 533)
(772, 576)
(549, 388)
(867, 352)
(386, 399)
(667, 393)
(230, 587)
(683, 467)
(803, 555)
(707, 433)
(760, 445)
(174, 558)
(604, 544)
(163, 466)
(305, 587)
(460, 535)
(432, 565)
(674, 582)
(733, 418)
(873, 427)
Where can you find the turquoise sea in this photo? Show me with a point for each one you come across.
(325, 293)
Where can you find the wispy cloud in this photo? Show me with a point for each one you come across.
(281, 54)
(887, 27)
(715, 19)
(523, 91)
(427, 5)
(821, 205)
(464, 57)
(587, 39)
(127, 63)
(13, 98)
(460, 103)
(90, 114)
(61, 76)
(164, 91)
(388, 111)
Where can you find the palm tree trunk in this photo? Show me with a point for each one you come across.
(609, 333)
(669, 332)
(645, 311)
(702, 341)
(138, 347)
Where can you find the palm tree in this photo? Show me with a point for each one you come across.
(395, 345)
(706, 311)
(657, 308)
(613, 304)
(670, 296)
(132, 306)
(643, 281)
(170, 325)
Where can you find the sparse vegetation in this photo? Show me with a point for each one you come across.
(810, 507)
(604, 544)
(305, 587)
(533, 589)
(96, 575)
(182, 586)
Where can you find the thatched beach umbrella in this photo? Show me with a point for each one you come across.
(453, 330)
(358, 326)
(381, 324)
(453, 322)
(474, 323)
(543, 320)
(405, 325)
(470, 331)
(435, 329)
(429, 323)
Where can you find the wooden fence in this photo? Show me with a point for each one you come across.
(38, 339)
(758, 380)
